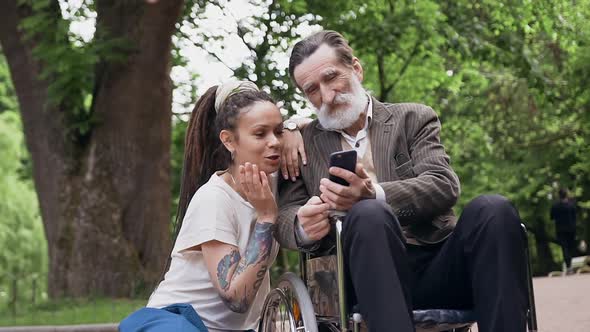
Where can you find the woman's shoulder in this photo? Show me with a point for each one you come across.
(212, 193)
(212, 207)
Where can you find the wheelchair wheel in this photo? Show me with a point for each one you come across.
(288, 307)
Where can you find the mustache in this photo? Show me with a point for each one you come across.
(339, 99)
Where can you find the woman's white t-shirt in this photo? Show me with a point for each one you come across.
(216, 212)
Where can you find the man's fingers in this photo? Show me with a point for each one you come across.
(338, 204)
(342, 173)
(336, 188)
(328, 197)
(312, 220)
(361, 171)
(314, 200)
(313, 210)
(317, 227)
(320, 233)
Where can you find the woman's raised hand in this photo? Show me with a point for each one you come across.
(256, 187)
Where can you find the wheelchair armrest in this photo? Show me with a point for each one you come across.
(444, 316)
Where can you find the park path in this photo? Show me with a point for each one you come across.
(563, 303)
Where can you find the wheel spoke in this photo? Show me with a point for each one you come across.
(283, 311)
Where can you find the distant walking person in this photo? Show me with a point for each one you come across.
(563, 213)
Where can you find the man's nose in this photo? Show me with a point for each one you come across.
(327, 95)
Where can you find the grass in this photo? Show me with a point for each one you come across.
(70, 312)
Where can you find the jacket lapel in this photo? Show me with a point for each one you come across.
(381, 140)
(326, 143)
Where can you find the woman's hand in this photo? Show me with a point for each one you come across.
(292, 147)
(256, 187)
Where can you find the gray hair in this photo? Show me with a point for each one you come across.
(306, 47)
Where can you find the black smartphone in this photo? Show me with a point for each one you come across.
(345, 160)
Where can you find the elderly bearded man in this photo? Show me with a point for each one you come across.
(404, 248)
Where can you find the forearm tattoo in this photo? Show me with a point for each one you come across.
(260, 244)
(224, 266)
(258, 250)
(239, 305)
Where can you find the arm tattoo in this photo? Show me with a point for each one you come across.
(224, 266)
(259, 277)
(260, 244)
(239, 305)
(258, 250)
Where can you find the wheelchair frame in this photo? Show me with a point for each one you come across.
(300, 287)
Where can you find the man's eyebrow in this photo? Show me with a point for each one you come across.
(328, 71)
(307, 86)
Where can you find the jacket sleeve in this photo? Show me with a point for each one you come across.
(292, 195)
(432, 187)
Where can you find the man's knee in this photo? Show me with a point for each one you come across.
(369, 216)
(496, 213)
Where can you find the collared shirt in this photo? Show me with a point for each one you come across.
(359, 144)
(361, 141)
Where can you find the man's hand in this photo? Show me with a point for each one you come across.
(313, 217)
(342, 198)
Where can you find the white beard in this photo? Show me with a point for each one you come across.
(344, 117)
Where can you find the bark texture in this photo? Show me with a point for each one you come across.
(105, 200)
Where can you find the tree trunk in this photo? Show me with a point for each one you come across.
(105, 202)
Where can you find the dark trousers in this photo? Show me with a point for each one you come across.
(567, 240)
(481, 266)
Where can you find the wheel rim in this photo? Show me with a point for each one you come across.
(277, 315)
(288, 307)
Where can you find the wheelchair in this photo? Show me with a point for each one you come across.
(289, 307)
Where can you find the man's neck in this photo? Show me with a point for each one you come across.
(359, 124)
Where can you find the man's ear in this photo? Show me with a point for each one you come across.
(227, 138)
(357, 68)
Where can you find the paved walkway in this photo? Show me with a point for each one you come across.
(563, 303)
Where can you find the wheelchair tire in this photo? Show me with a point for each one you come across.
(288, 307)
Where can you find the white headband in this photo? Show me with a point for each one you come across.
(230, 88)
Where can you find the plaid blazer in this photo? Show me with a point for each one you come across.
(410, 163)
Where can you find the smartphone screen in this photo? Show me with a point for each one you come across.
(345, 160)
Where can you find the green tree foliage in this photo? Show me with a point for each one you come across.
(265, 36)
(509, 80)
(7, 96)
(23, 248)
